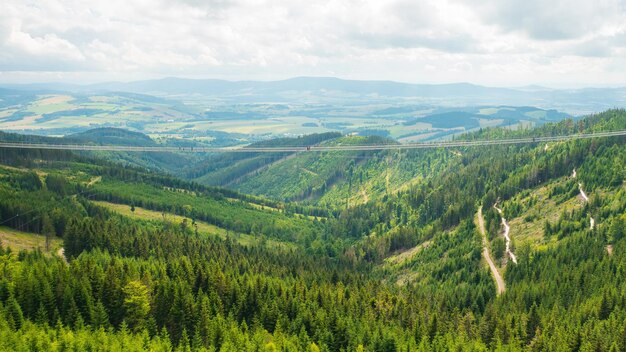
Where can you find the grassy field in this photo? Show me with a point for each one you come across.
(155, 215)
(528, 226)
(408, 254)
(18, 240)
(203, 227)
(159, 119)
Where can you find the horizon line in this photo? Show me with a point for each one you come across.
(450, 83)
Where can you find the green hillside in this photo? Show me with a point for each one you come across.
(334, 179)
(404, 270)
(113, 136)
(226, 169)
(157, 161)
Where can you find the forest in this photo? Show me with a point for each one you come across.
(399, 270)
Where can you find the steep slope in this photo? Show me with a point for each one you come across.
(400, 272)
(501, 287)
(159, 161)
(341, 179)
(503, 172)
(344, 179)
(79, 184)
(226, 169)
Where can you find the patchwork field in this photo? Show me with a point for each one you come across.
(218, 122)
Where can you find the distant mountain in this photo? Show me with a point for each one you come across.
(320, 85)
(332, 90)
(113, 136)
(469, 118)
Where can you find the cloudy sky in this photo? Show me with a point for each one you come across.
(556, 43)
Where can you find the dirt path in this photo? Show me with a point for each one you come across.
(592, 221)
(500, 287)
(61, 253)
(582, 193)
(507, 229)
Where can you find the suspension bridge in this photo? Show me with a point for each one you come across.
(313, 148)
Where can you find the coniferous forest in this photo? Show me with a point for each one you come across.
(151, 261)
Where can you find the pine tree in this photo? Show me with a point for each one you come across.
(605, 308)
(136, 305)
(15, 318)
(41, 317)
(532, 323)
(183, 344)
(100, 317)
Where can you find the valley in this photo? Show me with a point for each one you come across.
(496, 246)
(302, 176)
(223, 113)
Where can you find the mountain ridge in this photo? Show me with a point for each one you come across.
(333, 89)
(316, 82)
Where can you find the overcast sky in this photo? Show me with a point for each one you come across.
(492, 42)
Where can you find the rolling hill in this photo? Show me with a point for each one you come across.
(332, 89)
(223, 113)
(154, 261)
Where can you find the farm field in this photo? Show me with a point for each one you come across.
(220, 122)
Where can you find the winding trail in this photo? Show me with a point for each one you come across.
(507, 229)
(500, 287)
(592, 221)
(582, 193)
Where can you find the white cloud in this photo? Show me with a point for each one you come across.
(490, 42)
(551, 20)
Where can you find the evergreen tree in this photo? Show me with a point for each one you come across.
(136, 305)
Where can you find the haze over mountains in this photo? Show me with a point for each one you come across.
(227, 113)
(331, 89)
